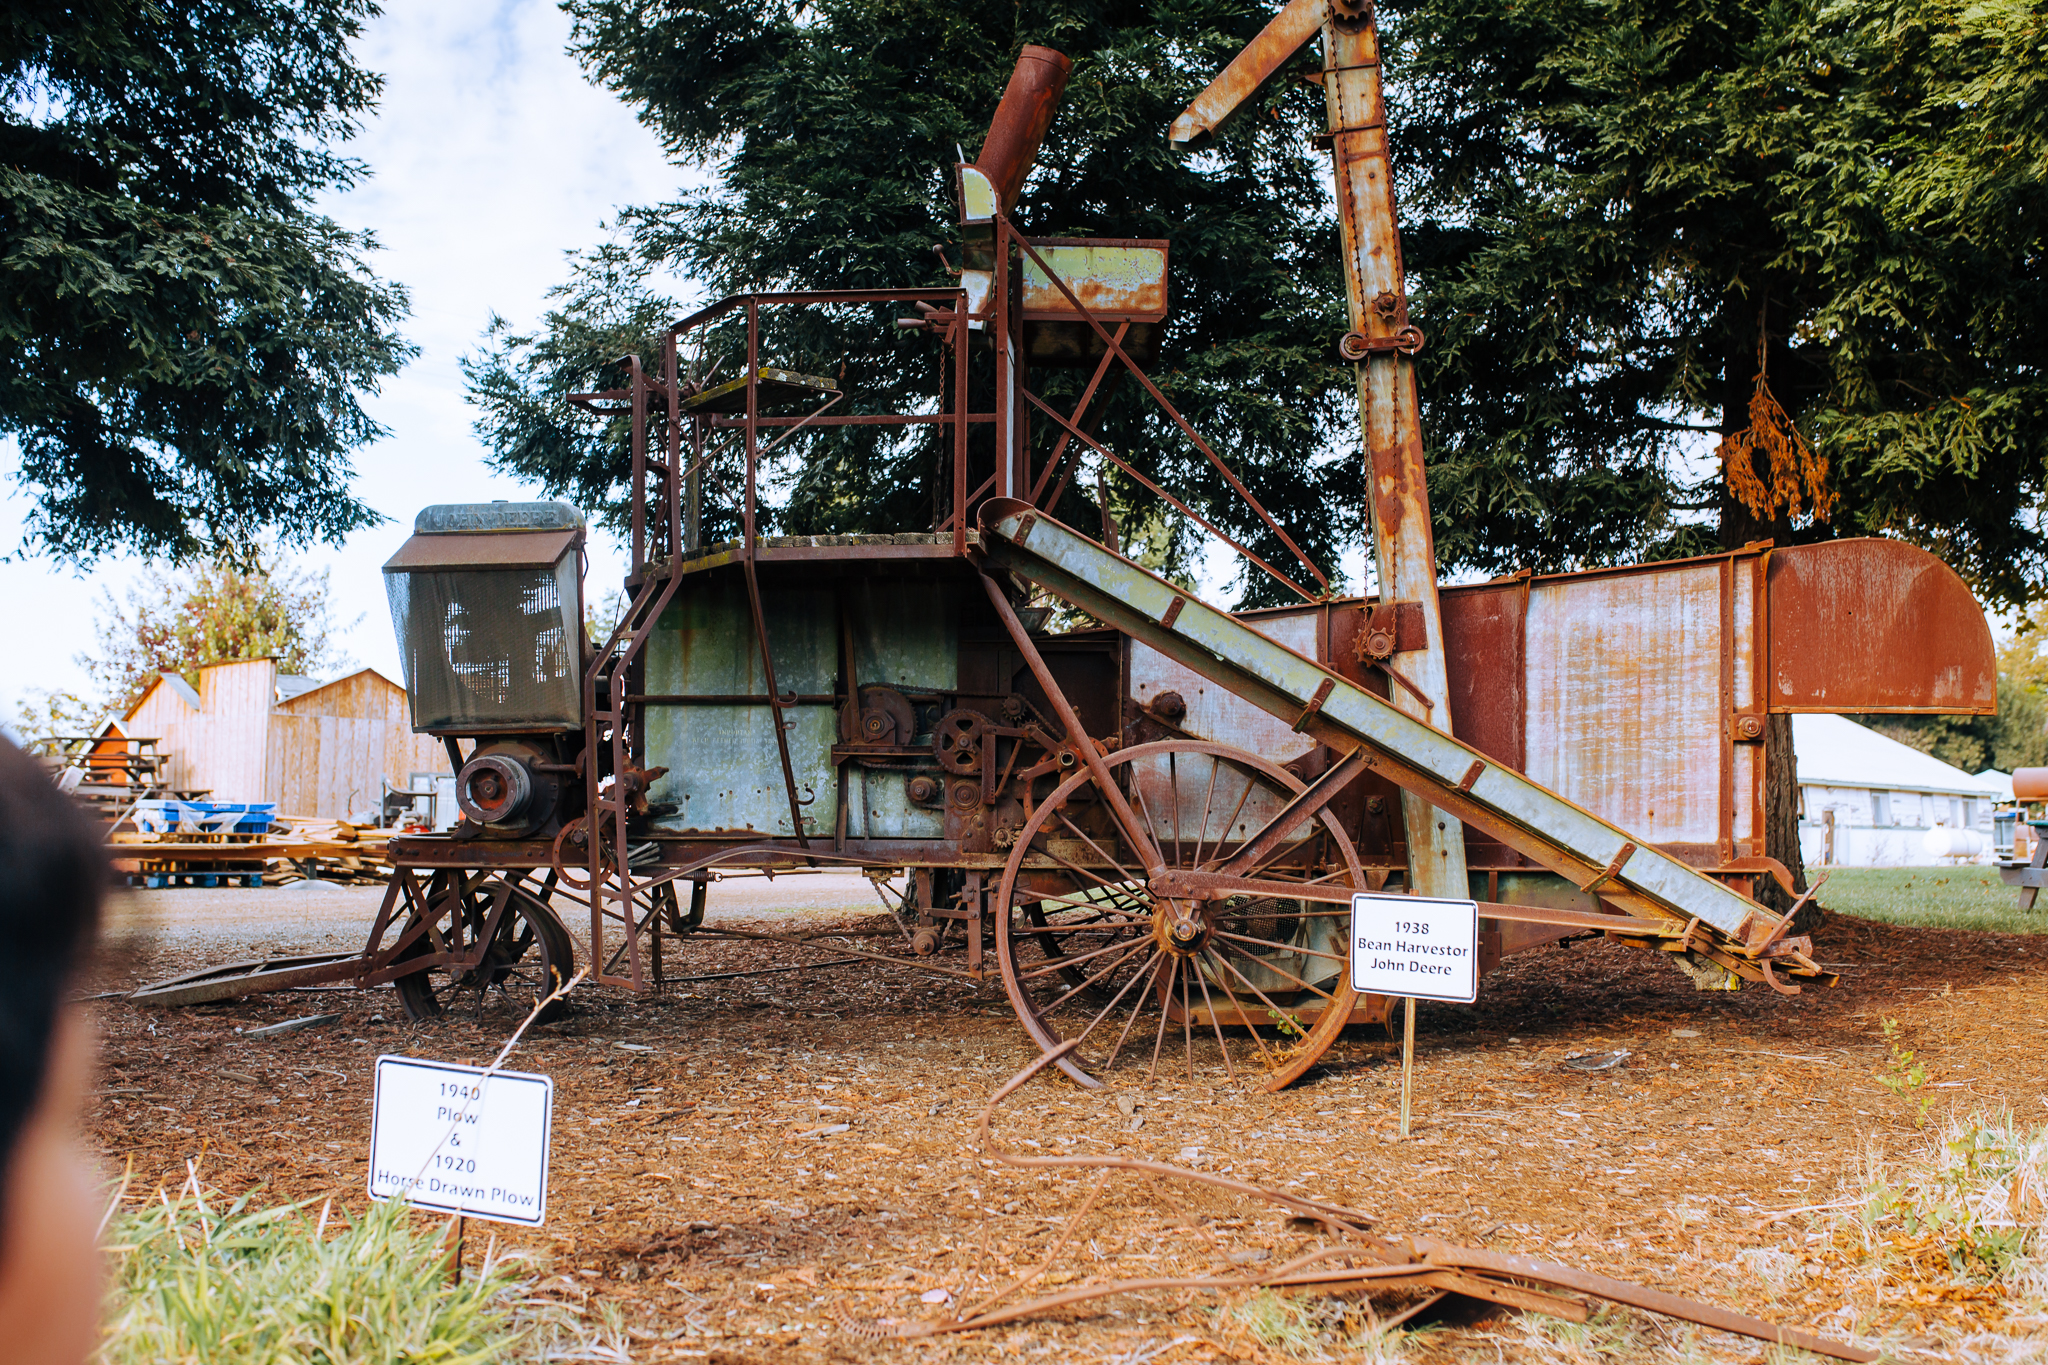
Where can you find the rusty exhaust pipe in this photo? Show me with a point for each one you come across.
(1021, 120)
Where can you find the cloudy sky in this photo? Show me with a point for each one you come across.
(491, 157)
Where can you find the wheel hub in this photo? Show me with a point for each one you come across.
(1182, 927)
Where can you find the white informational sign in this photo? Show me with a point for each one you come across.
(1415, 946)
(454, 1139)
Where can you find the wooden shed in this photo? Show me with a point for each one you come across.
(243, 733)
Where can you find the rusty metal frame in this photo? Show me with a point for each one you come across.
(1113, 345)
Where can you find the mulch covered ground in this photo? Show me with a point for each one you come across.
(766, 1168)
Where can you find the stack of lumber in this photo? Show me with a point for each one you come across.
(293, 848)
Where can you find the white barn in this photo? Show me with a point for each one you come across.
(1868, 801)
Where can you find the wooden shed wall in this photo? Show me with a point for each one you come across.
(331, 748)
(224, 746)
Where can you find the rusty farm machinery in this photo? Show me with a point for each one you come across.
(1149, 825)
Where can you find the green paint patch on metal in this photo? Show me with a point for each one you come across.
(725, 772)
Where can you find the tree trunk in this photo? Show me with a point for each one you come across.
(1740, 526)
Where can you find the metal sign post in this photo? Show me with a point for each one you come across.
(1418, 948)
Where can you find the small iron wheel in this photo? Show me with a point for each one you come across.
(529, 956)
(1234, 988)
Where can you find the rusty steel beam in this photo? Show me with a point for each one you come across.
(257, 977)
(1382, 343)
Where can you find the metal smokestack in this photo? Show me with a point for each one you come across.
(1021, 120)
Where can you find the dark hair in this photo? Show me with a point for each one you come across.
(52, 872)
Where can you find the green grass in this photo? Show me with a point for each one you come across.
(202, 1279)
(1311, 1327)
(1932, 898)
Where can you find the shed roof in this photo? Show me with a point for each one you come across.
(1834, 751)
(184, 691)
(312, 690)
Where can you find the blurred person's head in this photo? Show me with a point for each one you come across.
(52, 873)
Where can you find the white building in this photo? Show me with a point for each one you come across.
(1868, 801)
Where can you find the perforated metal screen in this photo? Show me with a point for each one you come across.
(489, 649)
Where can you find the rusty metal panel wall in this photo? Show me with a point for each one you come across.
(1215, 713)
(1624, 713)
(1483, 656)
(1115, 278)
(724, 769)
(1876, 625)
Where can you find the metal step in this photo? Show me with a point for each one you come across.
(1712, 923)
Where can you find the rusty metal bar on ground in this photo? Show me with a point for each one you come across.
(1473, 1272)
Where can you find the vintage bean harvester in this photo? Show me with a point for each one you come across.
(1154, 824)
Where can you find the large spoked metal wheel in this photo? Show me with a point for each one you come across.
(1156, 979)
(527, 954)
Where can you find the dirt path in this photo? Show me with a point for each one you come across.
(692, 1183)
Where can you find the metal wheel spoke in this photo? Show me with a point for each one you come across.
(1148, 975)
(1079, 870)
(1214, 1023)
(1283, 972)
(1088, 902)
(1159, 1040)
(1224, 833)
(1173, 786)
(1079, 926)
(1145, 809)
(1285, 947)
(1065, 962)
(1253, 988)
(1073, 991)
(1187, 1018)
(1249, 1026)
(1208, 797)
(1098, 849)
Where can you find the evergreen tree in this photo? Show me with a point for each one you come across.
(1692, 274)
(830, 127)
(1699, 273)
(183, 342)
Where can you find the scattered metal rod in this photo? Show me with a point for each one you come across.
(291, 1026)
(1424, 1261)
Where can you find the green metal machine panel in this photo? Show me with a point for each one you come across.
(725, 772)
(906, 635)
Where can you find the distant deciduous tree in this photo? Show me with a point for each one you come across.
(175, 622)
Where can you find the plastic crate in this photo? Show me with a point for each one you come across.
(164, 816)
